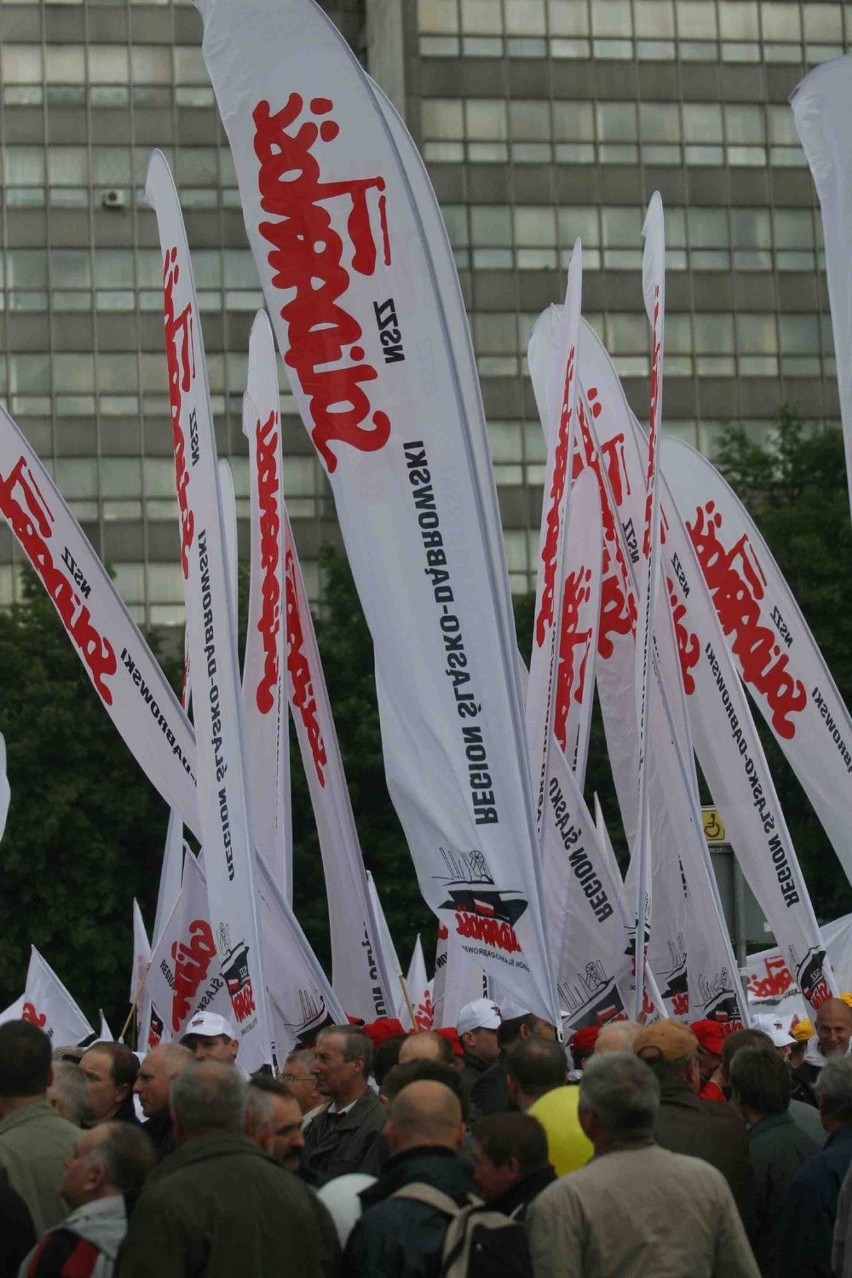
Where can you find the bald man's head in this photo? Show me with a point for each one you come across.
(619, 1036)
(425, 1113)
(834, 1027)
(160, 1066)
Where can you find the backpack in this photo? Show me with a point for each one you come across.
(479, 1243)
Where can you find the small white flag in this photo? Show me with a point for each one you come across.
(48, 1004)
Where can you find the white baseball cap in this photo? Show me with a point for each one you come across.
(480, 1014)
(209, 1025)
(774, 1027)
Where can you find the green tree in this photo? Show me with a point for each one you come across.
(794, 485)
(85, 829)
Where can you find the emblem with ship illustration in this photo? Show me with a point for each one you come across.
(470, 887)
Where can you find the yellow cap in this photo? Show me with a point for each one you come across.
(802, 1030)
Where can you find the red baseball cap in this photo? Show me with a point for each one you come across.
(584, 1040)
(710, 1035)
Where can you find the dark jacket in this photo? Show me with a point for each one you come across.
(336, 1145)
(778, 1149)
(398, 1237)
(158, 1129)
(490, 1094)
(219, 1207)
(17, 1236)
(803, 1081)
(808, 1222)
(516, 1201)
(686, 1124)
(469, 1075)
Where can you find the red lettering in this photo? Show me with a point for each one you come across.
(553, 520)
(778, 979)
(242, 1001)
(30, 1013)
(499, 935)
(737, 583)
(32, 524)
(269, 623)
(306, 256)
(301, 680)
(574, 647)
(688, 647)
(180, 361)
(192, 961)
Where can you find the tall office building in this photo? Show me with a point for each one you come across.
(539, 120)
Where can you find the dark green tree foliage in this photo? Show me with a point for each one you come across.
(794, 485)
(85, 830)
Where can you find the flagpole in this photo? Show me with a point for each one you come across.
(134, 1004)
(408, 1003)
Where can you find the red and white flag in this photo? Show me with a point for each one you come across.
(398, 423)
(46, 1003)
(226, 827)
(359, 973)
(419, 990)
(457, 981)
(267, 737)
(769, 640)
(560, 433)
(124, 672)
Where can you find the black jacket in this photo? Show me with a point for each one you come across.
(811, 1207)
(712, 1130)
(158, 1129)
(398, 1237)
(803, 1082)
(334, 1146)
(778, 1149)
(490, 1094)
(516, 1201)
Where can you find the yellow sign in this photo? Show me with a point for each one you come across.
(714, 829)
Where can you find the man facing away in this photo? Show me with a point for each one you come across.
(812, 1204)
(344, 1138)
(110, 1071)
(105, 1172)
(401, 1237)
(489, 1094)
(156, 1072)
(635, 1209)
(534, 1067)
(34, 1140)
(760, 1089)
(219, 1205)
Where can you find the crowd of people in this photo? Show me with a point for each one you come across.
(664, 1149)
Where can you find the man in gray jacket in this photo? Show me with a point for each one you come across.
(635, 1209)
(34, 1140)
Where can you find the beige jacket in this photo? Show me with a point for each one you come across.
(636, 1210)
(34, 1143)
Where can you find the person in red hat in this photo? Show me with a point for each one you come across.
(711, 1038)
(582, 1046)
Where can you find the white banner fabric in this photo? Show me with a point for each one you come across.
(124, 672)
(48, 1004)
(359, 975)
(822, 107)
(141, 953)
(771, 644)
(226, 830)
(402, 436)
(265, 720)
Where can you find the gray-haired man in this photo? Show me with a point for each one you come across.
(219, 1204)
(635, 1209)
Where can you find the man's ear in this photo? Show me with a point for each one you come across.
(588, 1121)
(461, 1136)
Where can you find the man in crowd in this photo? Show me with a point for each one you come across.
(833, 1033)
(427, 1045)
(711, 1040)
(582, 1045)
(211, 1037)
(67, 1093)
(110, 1071)
(510, 1164)
(34, 1140)
(277, 1120)
(156, 1072)
(490, 1094)
(617, 1036)
(760, 1089)
(102, 1178)
(477, 1024)
(400, 1236)
(636, 1209)
(299, 1076)
(219, 1204)
(344, 1137)
(811, 1208)
(686, 1124)
(534, 1067)
(803, 1114)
